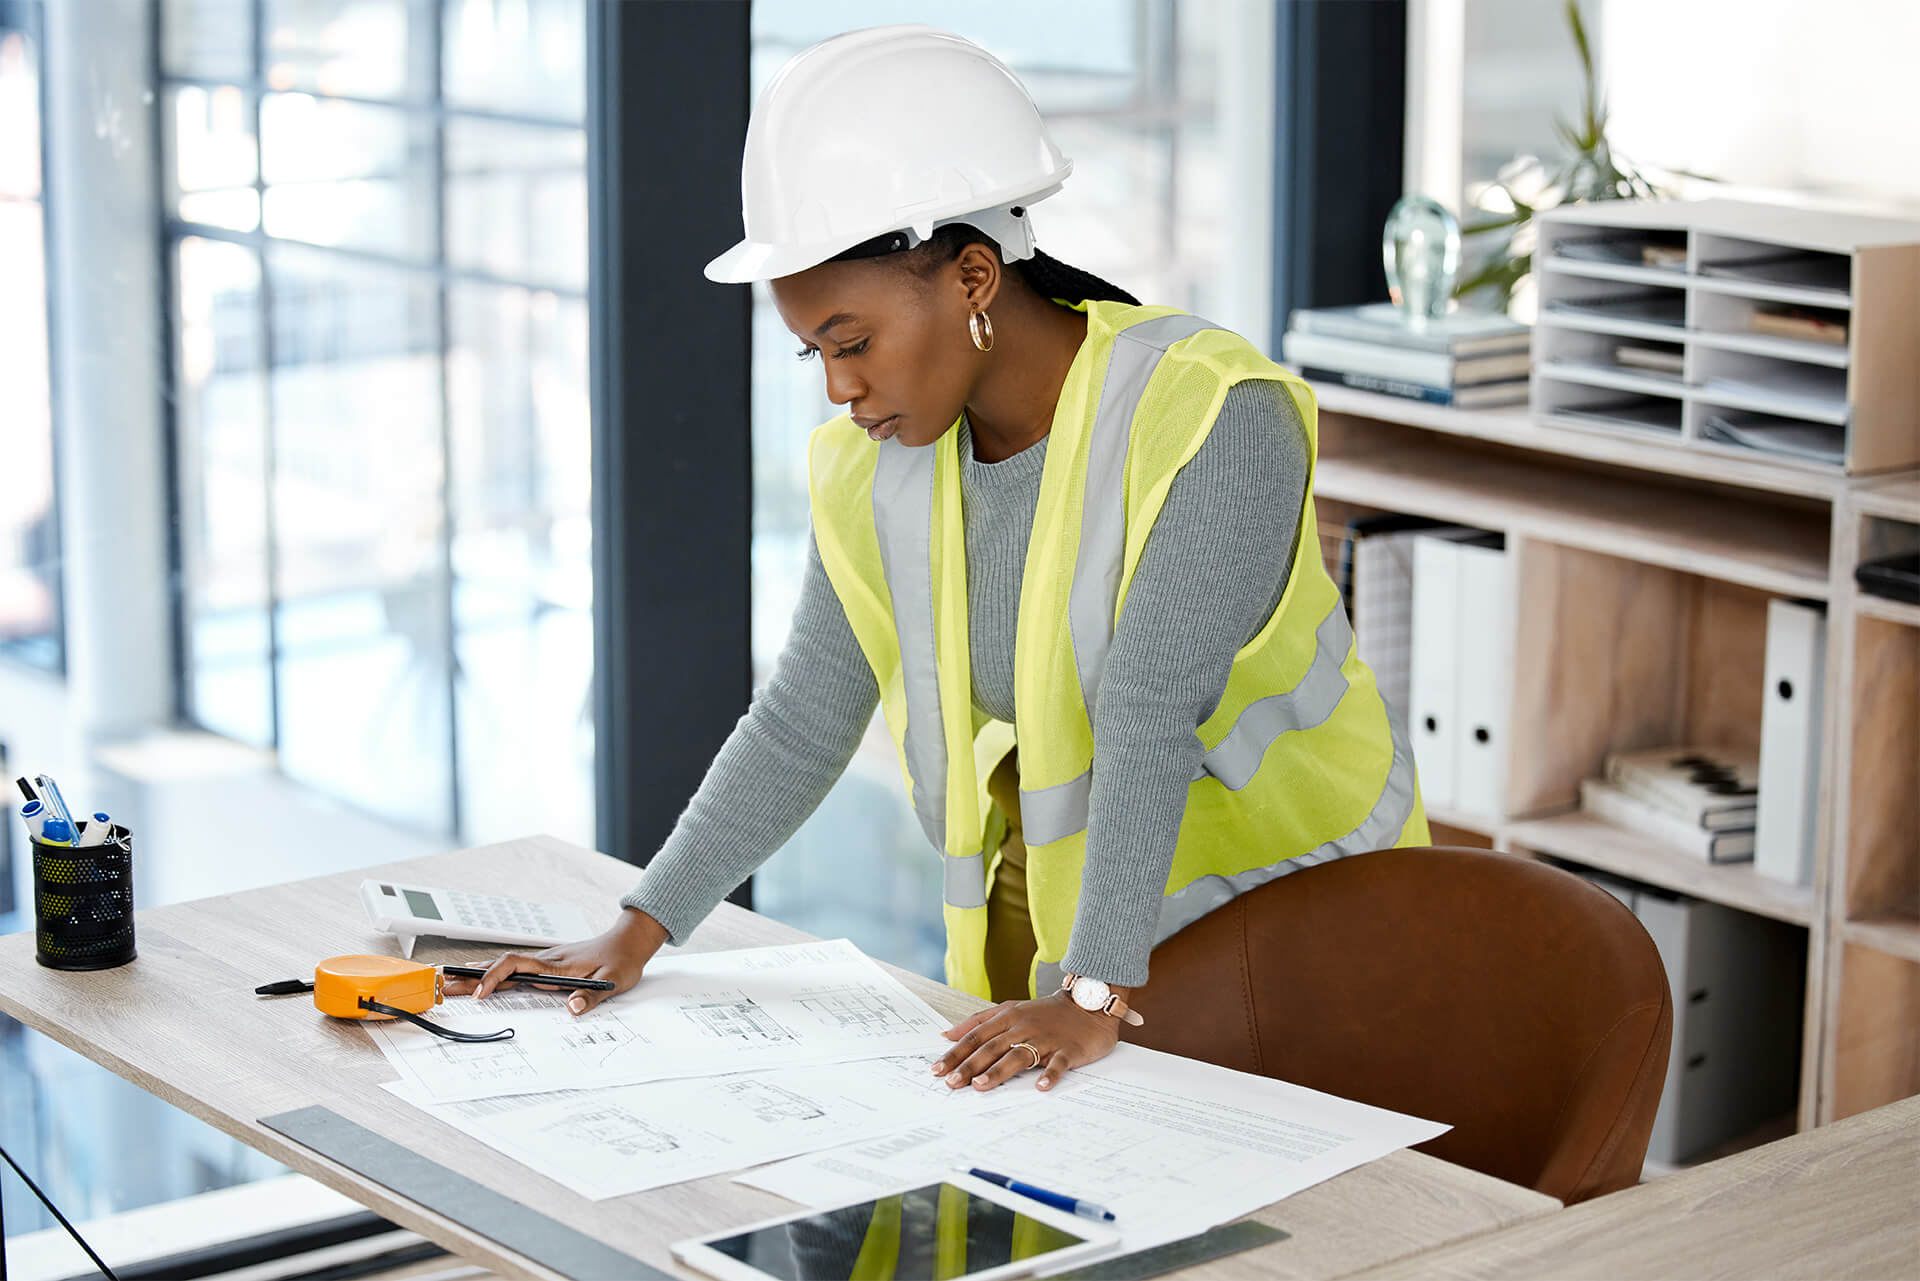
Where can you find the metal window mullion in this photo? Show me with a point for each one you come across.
(416, 107)
(178, 227)
(35, 16)
(436, 81)
(270, 455)
(169, 393)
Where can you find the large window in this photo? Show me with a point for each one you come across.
(30, 580)
(1139, 94)
(1772, 100)
(376, 214)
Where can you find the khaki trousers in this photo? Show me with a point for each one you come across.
(1010, 942)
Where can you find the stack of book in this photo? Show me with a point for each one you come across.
(1700, 801)
(1466, 359)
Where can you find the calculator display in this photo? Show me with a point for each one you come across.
(421, 904)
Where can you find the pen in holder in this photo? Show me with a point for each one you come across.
(83, 902)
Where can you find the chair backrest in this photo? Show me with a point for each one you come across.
(1515, 1001)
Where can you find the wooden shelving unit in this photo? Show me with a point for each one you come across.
(1579, 837)
(1870, 1027)
(1642, 569)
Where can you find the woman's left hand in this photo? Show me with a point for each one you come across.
(991, 1045)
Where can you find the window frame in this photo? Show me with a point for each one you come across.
(29, 17)
(426, 103)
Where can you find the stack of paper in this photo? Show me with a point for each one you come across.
(721, 1061)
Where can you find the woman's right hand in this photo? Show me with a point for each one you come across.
(619, 953)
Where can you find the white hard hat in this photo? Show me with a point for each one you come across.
(890, 129)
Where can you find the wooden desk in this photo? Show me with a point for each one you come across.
(183, 1023)
(1840, 1201)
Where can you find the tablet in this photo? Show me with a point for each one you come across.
(958, 1229)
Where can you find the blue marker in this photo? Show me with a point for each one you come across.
(1072, 1205)
(57, 832)
(99, 830)
(34, 815)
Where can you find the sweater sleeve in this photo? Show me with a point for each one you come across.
(1212, 571)
(773, 771)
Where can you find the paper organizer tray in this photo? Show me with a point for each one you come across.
(83, 903)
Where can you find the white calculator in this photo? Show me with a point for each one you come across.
(410, 911)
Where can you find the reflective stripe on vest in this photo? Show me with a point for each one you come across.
(1235, 759)
(1091, 603)
(1054, 813)
(1379, 830)
(903, 481)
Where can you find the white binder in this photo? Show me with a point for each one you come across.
(1786, 818)
(1383, 614)
(1483, 649)
(1432, 679)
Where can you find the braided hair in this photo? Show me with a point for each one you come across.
(1045, 274)
(1052, 278)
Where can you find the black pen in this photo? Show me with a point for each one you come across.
(553, 980)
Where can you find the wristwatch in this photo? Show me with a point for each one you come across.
(1096, 997)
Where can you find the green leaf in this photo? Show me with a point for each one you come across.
(1502, 275)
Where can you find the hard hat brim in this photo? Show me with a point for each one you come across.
(752, 260)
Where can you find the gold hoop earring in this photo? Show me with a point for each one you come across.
(981, 327)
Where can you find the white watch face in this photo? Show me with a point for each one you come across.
(1090, 994)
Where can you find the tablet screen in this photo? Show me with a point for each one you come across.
(939, 1231)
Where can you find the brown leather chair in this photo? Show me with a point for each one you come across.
(1515, 1001)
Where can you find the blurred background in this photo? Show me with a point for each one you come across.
(300, 487)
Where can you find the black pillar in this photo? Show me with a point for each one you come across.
(1340, 72)
(673, 503)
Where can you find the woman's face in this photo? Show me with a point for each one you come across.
(894, 346)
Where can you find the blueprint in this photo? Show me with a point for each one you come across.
(1172, 1146)
(610, 1142)
(697, 1015)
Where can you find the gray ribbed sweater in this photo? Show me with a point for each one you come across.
(1209, 578)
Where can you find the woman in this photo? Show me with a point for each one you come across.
(1051, 516)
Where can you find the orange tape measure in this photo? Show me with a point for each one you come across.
(379, 988)
(342, 983)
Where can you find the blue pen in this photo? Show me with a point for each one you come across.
(56, 804)
(1072, 1205)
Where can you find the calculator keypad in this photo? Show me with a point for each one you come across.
(509, 915)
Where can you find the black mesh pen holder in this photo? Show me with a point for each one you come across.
(83, 903)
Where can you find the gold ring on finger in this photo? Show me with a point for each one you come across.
(1031, 1052)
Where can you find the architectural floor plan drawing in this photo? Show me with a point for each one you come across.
(739, 1019)
(612, 1128)
(856, 1011)
(609, 1142)
(699, 1014)
(768, 1101)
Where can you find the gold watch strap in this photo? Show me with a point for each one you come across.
(1115, 1006)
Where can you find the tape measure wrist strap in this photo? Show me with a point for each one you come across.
(504, 1034)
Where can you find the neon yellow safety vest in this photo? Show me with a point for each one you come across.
(1302, 762)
